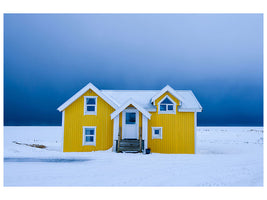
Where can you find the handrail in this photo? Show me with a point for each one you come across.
(119, 138)
(140, 138)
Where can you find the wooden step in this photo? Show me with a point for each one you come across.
(129, 149)
(124, 143)
(127, 145)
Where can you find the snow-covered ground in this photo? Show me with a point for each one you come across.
(226, 156)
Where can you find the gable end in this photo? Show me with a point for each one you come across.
(81, 92)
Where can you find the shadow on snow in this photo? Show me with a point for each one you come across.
(54, 160)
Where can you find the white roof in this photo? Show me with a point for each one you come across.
(126, 104)
(167, 88)
(143, 98)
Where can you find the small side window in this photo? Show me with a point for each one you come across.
(156, 132)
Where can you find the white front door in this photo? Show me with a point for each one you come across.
(130, 123)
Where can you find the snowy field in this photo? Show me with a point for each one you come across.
(226, 156)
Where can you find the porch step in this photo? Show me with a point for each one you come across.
(127, 145)
(137, 149)
(132, 143)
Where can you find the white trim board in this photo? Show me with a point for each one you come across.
(189, 110)
(144, 132)
(116, 122)
(63, 120)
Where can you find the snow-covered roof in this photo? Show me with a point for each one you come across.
(142, 98)
(136, 105)
(169, 89)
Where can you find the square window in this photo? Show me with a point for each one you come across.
(89, 138)
(130, 118)
(170, 107)
(89, 131)
(162, 107)
(156, 132)
(92, 132)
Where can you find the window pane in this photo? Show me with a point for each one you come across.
(89, 138)
(89, 131)
(90, 108)
(130, 118)
(166, 101)
(170, 107)
(92, 132)
(156, 132)
(90, 101)
(162, 107)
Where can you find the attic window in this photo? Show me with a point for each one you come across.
(167, 106)
(90, 105)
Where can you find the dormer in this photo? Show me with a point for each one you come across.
(167, 101)
(166, 105)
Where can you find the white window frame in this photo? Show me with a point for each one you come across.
(154, 136)
(85, 106)
(167, 111)
(84, 141)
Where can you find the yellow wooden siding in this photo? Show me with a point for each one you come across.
(177, 131)
(75, 120)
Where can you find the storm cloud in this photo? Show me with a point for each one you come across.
(49, 57)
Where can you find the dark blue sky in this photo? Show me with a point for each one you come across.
(48, 58)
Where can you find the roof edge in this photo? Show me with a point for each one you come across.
(126, 104)
(169, 89)
(81, 92)
(196, 100)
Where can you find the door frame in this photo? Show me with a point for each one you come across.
(124, 124)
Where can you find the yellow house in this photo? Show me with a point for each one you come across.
(160, 121)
